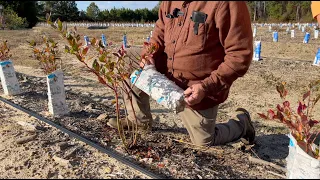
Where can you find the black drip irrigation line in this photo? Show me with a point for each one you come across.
(115, 155)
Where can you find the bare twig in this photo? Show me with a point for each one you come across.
(276, 174)
(266, 163)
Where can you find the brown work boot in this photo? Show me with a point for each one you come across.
(249, 134)
(126, 123)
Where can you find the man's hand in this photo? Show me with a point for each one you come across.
(194, 94)
(148, 61)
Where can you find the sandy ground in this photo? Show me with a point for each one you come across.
(288, 60)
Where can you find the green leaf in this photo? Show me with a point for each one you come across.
(103, 70)
(102, 58)
(93, 41)
(96, 65)
(109, 79)
(67, 49)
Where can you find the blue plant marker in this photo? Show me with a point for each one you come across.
(86, 39)
(160, 99)
(291, 144)
(317, 58)
(257, 51)
(306, 38)
(125, 41)
(4, 63)
(104, 40)
(275, 36)
(148, 38)
(50, 76)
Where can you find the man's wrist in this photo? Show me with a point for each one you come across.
(205, 88)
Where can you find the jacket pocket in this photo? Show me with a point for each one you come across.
(191, 40)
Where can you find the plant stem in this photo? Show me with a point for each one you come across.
(118, 120)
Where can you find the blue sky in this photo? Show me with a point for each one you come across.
(82, 5)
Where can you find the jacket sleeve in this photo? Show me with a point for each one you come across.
(315, 8)
(235, 34)
(158, 37)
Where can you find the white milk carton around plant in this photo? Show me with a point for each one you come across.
(316, 34)
(56, 94)
(159, 88)
(300, 165)
(8, 78)
(254, 31)
(292, 33)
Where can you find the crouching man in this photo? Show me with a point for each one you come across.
(204, 46)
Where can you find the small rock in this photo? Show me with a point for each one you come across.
(102, 116)
(63, 146)
(71, 153)
(107, 170)
(27, 126)
(200, 177)
(96, 99)
(147, 160)
(26, 139)
(62, 162)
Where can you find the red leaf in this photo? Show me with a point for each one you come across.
(271, 114)
(280, 116)
(301, 108)
(85, 50)
(279, 108)
(161, 165)
(313, 122)
(286, 104)
(306, 95)
(262, 116)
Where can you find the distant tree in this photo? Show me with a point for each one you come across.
(93, 11)
(83, 16)
(65, 10)
(13, 21)
(24, 9)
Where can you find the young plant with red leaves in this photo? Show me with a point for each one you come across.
(46, 54)
(300, 122)
(110, 68)
(4, 51)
